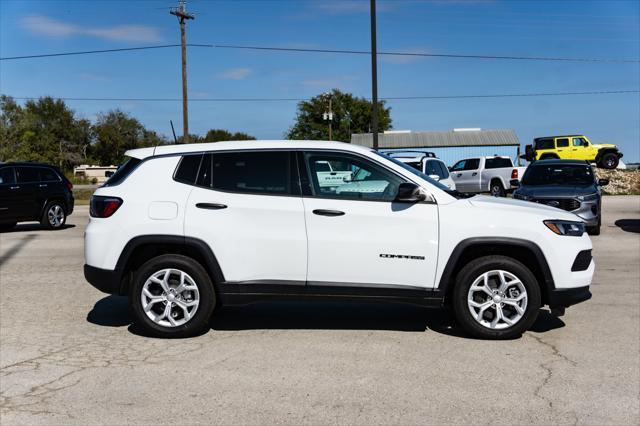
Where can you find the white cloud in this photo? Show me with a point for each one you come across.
(50, 27)
(235, 74)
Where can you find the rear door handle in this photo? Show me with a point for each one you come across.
(322, 212)
(211, 206)
(14, 187)
(42, 185)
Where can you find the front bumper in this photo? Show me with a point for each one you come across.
(105, 280)
(565, 297)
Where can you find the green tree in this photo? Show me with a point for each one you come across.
(350, 115)
(115, 132)
(43, 130)
(220, 135)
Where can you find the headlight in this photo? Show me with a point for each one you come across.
(565, 227)
(590, 197)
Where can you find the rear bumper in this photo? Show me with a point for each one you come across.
(105, 280)
(568, 296)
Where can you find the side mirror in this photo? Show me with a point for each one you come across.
(603, 182)
(449, 168)
(409, 192)
(514, 182)
(347, 178)
(435, 177)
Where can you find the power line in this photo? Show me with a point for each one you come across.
(388, 98)
(339, 51)
(427, 55)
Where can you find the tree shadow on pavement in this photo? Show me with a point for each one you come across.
(113, 311)
(629, 225)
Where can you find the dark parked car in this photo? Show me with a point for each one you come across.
(33, 191)
(566, 184)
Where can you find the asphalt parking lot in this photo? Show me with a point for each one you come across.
(68, 354)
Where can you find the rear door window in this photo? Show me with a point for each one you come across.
(7, 176)
(562, 143)
(472, 164)
(544, 144)
(497, 163)
(259, 172)
(48, 175)
(27, 174)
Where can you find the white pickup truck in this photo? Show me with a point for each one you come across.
(486, 174)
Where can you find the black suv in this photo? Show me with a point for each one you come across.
(33, 191)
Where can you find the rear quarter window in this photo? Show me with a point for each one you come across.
(187, 170)
(124, 170)
(544, 144)
(472, 164)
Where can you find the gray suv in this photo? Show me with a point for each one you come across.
(566, 184)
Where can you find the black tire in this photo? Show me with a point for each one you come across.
(7, 226)
(595, 230)
(496, 189)
(609, 161)
(54, 215)
(199, 322)
(475, 269)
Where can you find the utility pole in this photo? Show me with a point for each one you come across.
(374, 76)
(181, 13)
(329, 116)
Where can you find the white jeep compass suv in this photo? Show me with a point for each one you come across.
(183, 229)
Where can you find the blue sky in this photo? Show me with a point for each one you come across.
(593, 29)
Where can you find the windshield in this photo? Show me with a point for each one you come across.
(558, 174)
(421, 175)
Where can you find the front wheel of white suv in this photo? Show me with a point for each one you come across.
(496, 297)
(172, 296)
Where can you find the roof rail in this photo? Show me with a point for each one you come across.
(409, 151)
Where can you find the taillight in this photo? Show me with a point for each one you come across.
(514, 174)
(70, 186)
(104, 206)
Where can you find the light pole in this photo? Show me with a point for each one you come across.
(374, 77)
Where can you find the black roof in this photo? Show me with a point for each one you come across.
(27, 163)
(559, 136)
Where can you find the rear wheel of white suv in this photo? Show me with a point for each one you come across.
(496, 297)
(172, 296)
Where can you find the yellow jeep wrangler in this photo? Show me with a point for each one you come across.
(573, 147)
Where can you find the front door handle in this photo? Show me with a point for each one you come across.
(459, 174)
(211, 206)
(474, 174)
(42, 185)
(14, 187)
(322, 212)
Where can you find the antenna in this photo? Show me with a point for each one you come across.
(174, 132)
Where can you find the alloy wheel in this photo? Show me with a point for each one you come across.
(497, 299)
(170, 297)
(55, 215)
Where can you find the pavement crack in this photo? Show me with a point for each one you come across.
(547, 366)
